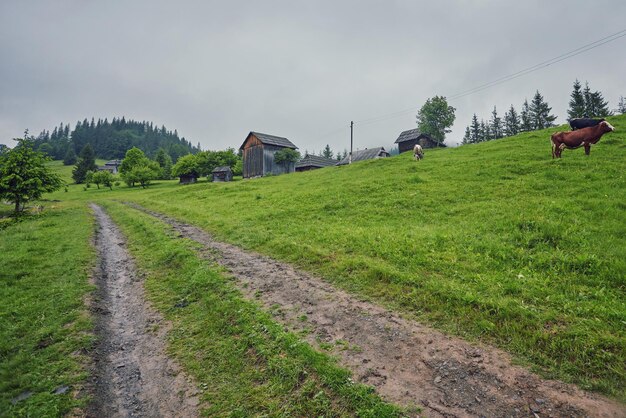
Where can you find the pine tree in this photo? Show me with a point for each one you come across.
(621, 105)
(165, 163)
(496, 124)
(598, 107)
(476, 134)
(526, 123)
(86, 162)
(467, 139)
(576, 103)
(327, 153)
(540, 113)
(511, 122)
(70, 156)
(487, 134)
(588, 101)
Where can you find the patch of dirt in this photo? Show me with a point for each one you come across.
(132, 374)
(408, 363)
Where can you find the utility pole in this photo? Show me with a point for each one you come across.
(351, 137)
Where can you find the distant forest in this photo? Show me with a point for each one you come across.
(111, 140)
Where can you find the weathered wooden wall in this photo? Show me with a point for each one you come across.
(258, 159)
(253, 158)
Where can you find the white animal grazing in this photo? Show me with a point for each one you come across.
(418, 152)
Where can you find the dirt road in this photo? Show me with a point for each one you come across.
(133, 376)
(408, 363)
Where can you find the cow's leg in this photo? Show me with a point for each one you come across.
(587, 148)
(560, 150)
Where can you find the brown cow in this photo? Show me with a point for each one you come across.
(581, 137)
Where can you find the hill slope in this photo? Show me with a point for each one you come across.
(493, 241)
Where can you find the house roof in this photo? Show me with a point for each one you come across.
(365, 154)
(413, 134)
(221, 169)
(271, 140)
(315, 161)
(410, 135)
(113, 162)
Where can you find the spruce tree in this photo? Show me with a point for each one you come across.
(475, 130)
(595, 105)
(496, 124)
(540, 113)
(621, 106)
(526, 123)
(511, 122)
(327, 153)
(599, 106)
(467, 139)
(86, 162)
(576, 103)
(70, 156)
(165, 163)
(484, 131)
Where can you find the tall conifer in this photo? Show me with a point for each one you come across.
(576, 103)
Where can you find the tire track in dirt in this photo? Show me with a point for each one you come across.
(408, 363)
(133, 376)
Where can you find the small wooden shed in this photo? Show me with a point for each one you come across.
(258, 155)
(312, 162)
(188, 178)
(407, 140)
(222, 174)
(365, 154)
(111, 166)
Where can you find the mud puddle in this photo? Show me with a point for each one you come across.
(133, 376)
(408, 363)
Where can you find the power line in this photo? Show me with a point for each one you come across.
(541, 65)
(595, 44)
(580, 50)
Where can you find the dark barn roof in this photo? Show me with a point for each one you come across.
(271, 140)
(221, 169)
(365, 154)
(415, 134)
(409, 135)
(314, 161)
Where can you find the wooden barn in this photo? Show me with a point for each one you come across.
(222, 174)
(258, 155)
(188, 178)
(312, 162)
(365, 154)
(407, 140)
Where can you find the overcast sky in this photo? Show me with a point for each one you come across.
(215, 70)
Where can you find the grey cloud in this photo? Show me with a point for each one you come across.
(216, 70)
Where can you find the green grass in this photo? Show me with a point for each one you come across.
(494, 242)
(65, 171)
(44, 328)
(244, 363)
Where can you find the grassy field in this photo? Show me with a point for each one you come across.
(65, 171)
(494, 242)
(245, 364)
(44, 326)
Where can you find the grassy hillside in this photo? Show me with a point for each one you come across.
(494, 241)
(65, 171)
(44, 325)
